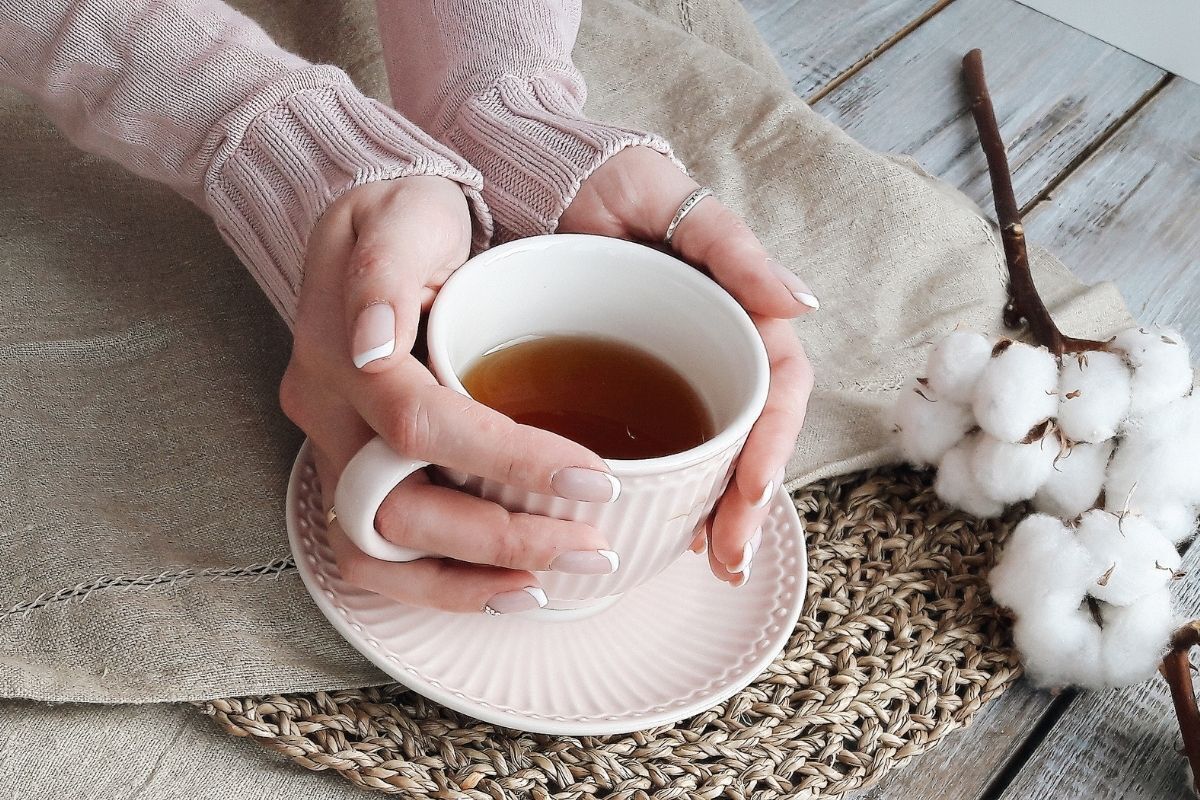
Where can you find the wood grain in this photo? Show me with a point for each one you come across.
(818, 41)
(1120, 745)
(1056, 90)
(1130, 212)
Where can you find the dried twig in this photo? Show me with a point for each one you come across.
(1024, 302)
(1178, 672)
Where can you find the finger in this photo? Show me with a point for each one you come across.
(772, 440)
(434, 519)
(400, 244)
(421, 419)
(719, 571)
(644, 190)
(736, 535)
(759, 473)
(334, 428)
(438, 583)
(714, 237)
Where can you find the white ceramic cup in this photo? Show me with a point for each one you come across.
(589, 285)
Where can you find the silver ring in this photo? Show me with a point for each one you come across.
(685, 208)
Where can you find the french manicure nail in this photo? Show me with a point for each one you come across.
(587, 485)
(744, 562)
(767, 493)
(515, 602)
(743, 577)
(748, 551)
(794, 284)
(374, 334)
(586, 562)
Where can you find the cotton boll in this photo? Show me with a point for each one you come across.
(1131, 557)
(1156, 463)
(1135, 638)
(1016, 391)
(955, 364)
(927, 424)
(1176, 521)
(1042, 566)
(1093, 396)
(956, 484)
(1060, 647)
(1012, 472)
(1162, 367)
(1075, 481)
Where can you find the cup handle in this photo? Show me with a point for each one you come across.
(370, 476)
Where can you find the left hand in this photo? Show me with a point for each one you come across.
(634, 195)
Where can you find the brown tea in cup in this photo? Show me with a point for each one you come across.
(616, 400)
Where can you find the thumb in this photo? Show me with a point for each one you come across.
(398, 252)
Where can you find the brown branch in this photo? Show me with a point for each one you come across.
(1024, 302)
(1178, 672)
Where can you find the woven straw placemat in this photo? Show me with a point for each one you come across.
(897, 647)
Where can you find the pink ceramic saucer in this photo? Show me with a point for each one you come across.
(671, 648)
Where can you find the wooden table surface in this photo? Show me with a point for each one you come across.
(1105, 150)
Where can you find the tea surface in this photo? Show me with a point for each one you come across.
(616, 400)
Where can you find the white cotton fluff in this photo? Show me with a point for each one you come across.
(928, 425)
(1075, 480)
(956, 485)
(1042, 566)
(1093, 396)
(1017, 390)
(1162, 367)
(955, 364)
(1176, 521)
(1060, 647)
(1131, 558)
(1012, 472)
(1135, 638)
(1156, 463)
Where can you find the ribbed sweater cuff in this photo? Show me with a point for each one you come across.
(534, 148)
(297, 157)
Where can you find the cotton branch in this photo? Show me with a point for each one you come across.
(1024, 302)
(1178, 672)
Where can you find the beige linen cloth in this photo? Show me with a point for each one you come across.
(144, 459)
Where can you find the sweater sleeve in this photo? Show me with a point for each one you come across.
(495, 81)
(197, 96)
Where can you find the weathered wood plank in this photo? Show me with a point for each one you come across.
(817, 41)
(1130, 213)
(1056, 91)
(1120, 745)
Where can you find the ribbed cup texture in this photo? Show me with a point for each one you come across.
(649, 526)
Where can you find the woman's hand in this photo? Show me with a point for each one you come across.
(634, 195)
(374, 262)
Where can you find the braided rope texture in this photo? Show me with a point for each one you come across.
(899, 645)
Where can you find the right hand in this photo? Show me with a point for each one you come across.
(393, 244)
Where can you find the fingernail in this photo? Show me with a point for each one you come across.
(586, 562)
(767, 493)
(374, 334)
(794, 284)
(743, 577)
(587, 485)
(515, 602)
(748, 551)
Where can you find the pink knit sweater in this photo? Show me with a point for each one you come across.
(194, 94)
